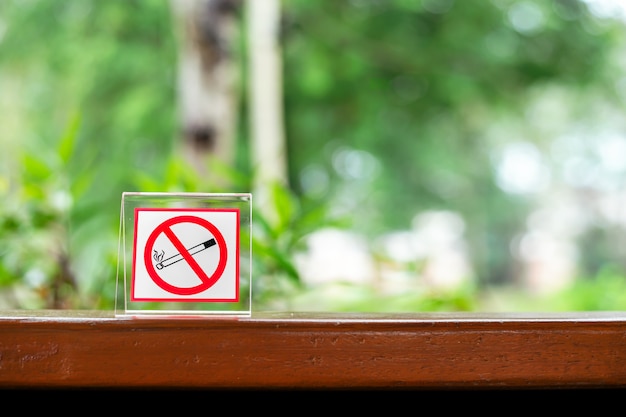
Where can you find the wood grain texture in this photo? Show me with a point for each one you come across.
(311, 350)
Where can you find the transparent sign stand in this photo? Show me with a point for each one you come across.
(184, 254)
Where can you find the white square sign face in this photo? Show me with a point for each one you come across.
(186, 255)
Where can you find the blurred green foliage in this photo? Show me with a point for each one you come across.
(387, 107)
(417, 84)
(88, 108)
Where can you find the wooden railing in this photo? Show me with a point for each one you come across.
(69, 349)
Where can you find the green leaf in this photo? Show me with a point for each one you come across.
(68, 139)
(35, 167)
(284, 204)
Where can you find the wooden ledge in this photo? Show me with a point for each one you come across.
(87, 349)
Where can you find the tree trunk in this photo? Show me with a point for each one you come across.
(207, 80)
(265, 79)
(208, 75)
(268, 153)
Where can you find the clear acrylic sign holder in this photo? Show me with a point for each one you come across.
(184, 254)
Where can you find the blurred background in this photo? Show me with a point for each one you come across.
(404, 155)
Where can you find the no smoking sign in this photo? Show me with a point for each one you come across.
(186, 255)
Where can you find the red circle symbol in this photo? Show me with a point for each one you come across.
(207, 281)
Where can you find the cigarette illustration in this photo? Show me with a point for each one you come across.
(164, 263)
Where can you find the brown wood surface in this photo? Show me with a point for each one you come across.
(69, 349)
